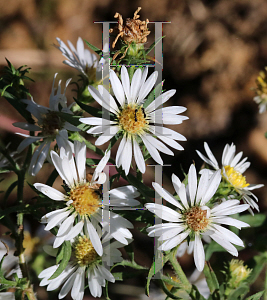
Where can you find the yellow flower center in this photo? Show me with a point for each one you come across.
(235, 177)
(52, 123)
(84, 251)
(132, 119)
(196, 219)
(86, 200)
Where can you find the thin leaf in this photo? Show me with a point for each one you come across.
(63, 264)
(211, 278)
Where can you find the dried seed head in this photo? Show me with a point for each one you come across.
(134, 29)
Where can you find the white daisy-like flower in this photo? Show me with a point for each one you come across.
(49, 125)
(135, 122)
(85, 263)
(83, 60)
(232, 170)
(193, 218)
(84, 201)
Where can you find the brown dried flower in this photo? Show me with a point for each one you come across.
(134, 30)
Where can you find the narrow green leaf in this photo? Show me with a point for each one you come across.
(9, 190)
(169, 293)
(63, 264)
(155, 268)
(154, 44)
(94, 48)
(256, 296)
(256, 264)
(254, 221)
(211, 278)
(241, 291)
(60, 254)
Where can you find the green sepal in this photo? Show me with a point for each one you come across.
(65, 259)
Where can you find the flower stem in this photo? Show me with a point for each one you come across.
(265, 286)
(179, 272)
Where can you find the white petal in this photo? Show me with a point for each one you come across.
(56, 220)
(211, 156)
(166, 195)
(78, 285)
(202, 186)
(138, 156)
(225, 244)
(101, 165)
(230, 221)
(182, 195)
(147, 86)
(106, 273)
(135, 84)
(228, 235)
(170, 233)
(107, 135)
(126, 83)
(27, 126)
(119, 151)
(165, 213)
(199, 254)
(74, 231)
(94, 237)
(192, 183)
(25, 143)
(160, 100)
(66, 226)
(212, 188)
(80, 159)
(152, 150)
(50, 192)
(168, 245)
(117, 87)
(126, 156)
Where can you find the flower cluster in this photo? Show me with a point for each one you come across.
(90, 214)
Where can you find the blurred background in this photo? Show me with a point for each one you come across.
(212, 54)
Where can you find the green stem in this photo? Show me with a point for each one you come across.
(179, 272)
(265, 286)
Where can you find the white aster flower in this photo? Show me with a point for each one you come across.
(84, 202)
(86, 263)
(49, 125)
(135, 122)
(232, 170)
(193, 218)
(83, 60)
